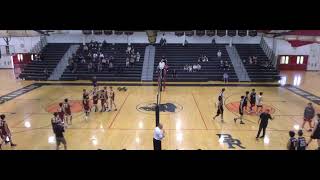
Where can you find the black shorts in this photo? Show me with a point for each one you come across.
(60, 140)
(240, 112)
(260, 106)
(253, 103)
(220, 111)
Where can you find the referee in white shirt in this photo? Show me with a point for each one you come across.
(158, 135)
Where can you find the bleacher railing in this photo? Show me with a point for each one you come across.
(269, 52)
(39, 46)
(239, 65)
(63, 63)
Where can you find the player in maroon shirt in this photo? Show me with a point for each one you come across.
(67, 111)
(5, 131)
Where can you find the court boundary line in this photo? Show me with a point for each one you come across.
(113, 120)
(199, 111)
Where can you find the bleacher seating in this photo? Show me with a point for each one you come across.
(178, 56)
(256, 72)
(51, 54)
(118, 51)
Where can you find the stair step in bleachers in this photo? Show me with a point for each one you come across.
(51, 55)
(257, 72)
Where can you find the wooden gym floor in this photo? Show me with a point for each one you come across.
(190, 127)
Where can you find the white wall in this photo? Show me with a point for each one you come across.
(6, 62)
(21, 44)
(283, 47)
(76, 36)
(172, 38)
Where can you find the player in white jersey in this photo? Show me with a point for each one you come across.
(259, 103)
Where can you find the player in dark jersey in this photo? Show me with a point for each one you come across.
(61, 112)
(245, 101)
(85, 94)
(102, 98)
(220, 109)
(241, 110)
(95, 98)
(111, 97)
(5, 132)
(107, 98)
(252, 99)
(316, 132)
(292, 141)
(301, 141)
(86, 108)
(67, 111)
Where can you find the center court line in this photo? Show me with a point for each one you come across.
(199, 111)
(118, 112)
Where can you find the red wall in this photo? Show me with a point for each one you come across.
(292, 65)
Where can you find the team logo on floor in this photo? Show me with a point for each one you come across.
(169, 107)
(227, 139)
(75, 105)
(234, 107)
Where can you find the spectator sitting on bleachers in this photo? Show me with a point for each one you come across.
(221, 63)
(200, 58)
(185, 68)
(46, 73)
(90, 67)
(75, 67)
(85, 48)
(225, 77)
(226, 65)
(128, 49)
(244, 61)
(219, 54)
(101, 55)
(127, 62)
(104, 62)
(110, 66)
(205, 59)
(99, 67)
(190, 68)
(194, 68)
(138, 57)
(131, 60)
(198, 67)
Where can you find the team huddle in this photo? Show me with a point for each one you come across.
(105, 96)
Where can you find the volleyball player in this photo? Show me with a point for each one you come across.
(220, 108)
(245, 101)
(222, 93)
(102, 98)
(259, 103)
(241, 110)
(5, 131)
(111, 97)
(107, 98)
(95, 98)
(86, 108)
(61, 112)
(252, 99)
(67, 111)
